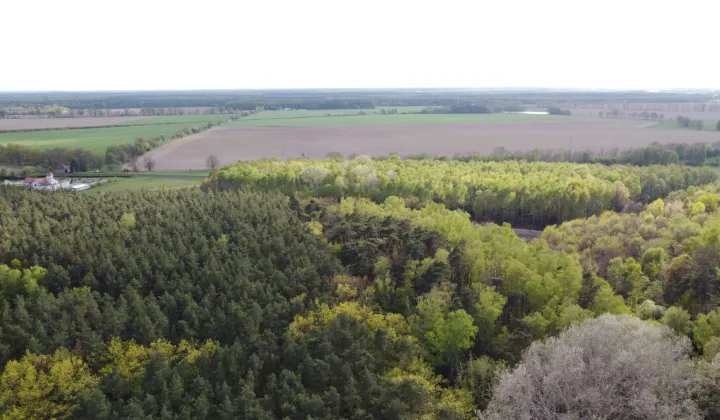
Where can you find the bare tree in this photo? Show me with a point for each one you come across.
(149, 163)
(135, 163)
(212, 162)
(612, 367)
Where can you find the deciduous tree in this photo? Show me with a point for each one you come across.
(149, 163)
(612, 367)
(212, 162)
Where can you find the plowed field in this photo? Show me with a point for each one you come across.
(231, 144)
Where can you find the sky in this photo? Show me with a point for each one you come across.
(267, 44)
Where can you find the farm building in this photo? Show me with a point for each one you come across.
(79, 187)
(49, 183)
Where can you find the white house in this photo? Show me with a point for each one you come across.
(49, 183)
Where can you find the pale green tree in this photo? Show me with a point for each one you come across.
(678, 319)
(451, 335)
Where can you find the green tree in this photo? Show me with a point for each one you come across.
(431, 307)
(127, 220)
(478, 376)
(39, 386)
(710, 201)
(656, 208)
(451, 335)
(678, 319)
(706, 327)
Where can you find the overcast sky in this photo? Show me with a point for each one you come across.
(216, 44)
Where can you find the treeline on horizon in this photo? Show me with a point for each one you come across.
(56, 111)
(334, 98)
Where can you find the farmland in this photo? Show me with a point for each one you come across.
(98, 139)
(673, 125)
(272, 115)
(177, 119)
(26, 124)
(137, 183)
(95, 140)
(668, 115)
(406, 134)
(20, 124)
(379, 119)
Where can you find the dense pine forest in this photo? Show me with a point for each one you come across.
(364, 289)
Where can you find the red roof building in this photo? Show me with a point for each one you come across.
(41, 183)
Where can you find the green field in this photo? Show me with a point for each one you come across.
(672, 125)
(96, 140)
(375, 119)
(189, 174)
(200, 173)
(124, 184)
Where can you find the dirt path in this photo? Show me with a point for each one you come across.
(528, 234)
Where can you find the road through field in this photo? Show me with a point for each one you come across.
(231, 144)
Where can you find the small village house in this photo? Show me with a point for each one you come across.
(48, 183)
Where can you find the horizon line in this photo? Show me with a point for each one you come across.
(419, 88)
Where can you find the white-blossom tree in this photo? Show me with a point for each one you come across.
(612, 367)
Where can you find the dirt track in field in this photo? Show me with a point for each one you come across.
(231, 144)
(45, 123)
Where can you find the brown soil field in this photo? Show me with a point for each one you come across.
(12, 124)
(194, 110)
(231, 144)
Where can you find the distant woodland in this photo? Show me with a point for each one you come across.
(338, 98)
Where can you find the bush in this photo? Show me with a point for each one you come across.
(27, 171)
(558, 111)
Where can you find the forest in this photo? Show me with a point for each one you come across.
(362, 289)
(518, 192)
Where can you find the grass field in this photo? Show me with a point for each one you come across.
(98, 139)
(377, 119)
(199, 173)
(672, 125)
(124, 184)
